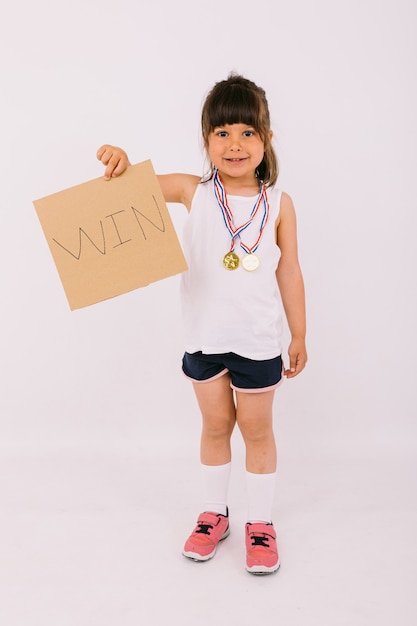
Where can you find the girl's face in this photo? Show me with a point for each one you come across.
(235, 150)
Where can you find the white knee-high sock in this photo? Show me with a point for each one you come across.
(261, 491)
(215, 481)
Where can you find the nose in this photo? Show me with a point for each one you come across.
(235, 144)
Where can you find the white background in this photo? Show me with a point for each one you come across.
(98, 428)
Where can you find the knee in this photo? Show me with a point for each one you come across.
(254, 429)
(219, 427)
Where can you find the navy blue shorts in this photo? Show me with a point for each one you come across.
(245, 374)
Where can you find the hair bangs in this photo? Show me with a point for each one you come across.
(234, 105)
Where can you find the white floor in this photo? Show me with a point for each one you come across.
(94, 538)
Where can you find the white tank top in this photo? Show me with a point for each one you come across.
(230, 310)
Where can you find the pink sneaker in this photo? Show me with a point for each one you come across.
(211, 528)
(261, 548)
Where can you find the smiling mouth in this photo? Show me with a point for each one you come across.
(237, 160)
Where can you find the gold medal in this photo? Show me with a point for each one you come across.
(231, 261)
(250, 262)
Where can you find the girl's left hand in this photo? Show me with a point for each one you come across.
(298, 358)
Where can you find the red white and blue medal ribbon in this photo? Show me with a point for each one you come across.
(231, 259)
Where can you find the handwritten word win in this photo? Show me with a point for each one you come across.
(117, 224)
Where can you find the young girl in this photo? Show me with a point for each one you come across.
(241, 247)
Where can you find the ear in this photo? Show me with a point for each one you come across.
(271, 134)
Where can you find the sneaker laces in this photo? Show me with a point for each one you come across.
(204, 529)
(258, 540)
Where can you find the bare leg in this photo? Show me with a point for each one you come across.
(218, 411)
(254, 418)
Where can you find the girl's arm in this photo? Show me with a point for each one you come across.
(178, 187)
(175, 187)
(291, 286)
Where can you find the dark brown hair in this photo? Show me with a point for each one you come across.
(238, 100)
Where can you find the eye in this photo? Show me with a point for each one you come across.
(221, 133)
(248, 133)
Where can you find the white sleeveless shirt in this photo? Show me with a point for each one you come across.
(230, 310)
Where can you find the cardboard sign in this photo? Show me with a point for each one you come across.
(110, 237)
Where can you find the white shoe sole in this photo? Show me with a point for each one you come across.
(262, 569)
